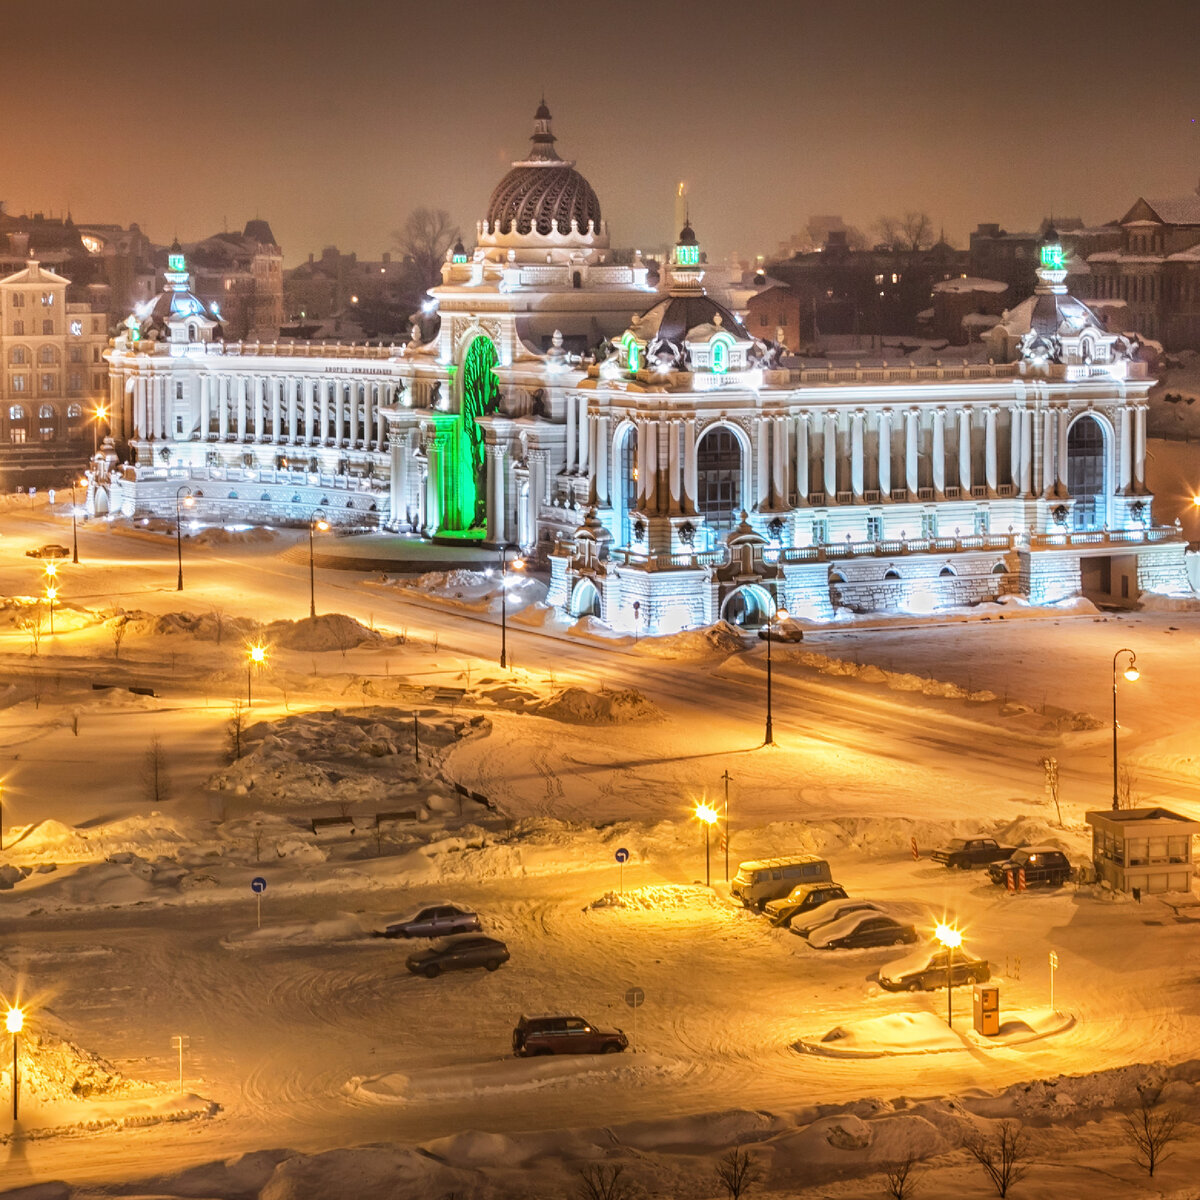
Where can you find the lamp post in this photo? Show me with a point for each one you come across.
(780, 614)
(14, 1022)
(951, 938)
(725, 777)
(51, 591)
(100, 413)
(255, 656)
(179, 493)
(1, 816)
(706, 815)
(518, 565)
(321, 524)
(74, 527)
(1132, 674)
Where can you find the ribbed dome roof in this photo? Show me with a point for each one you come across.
(543, 194)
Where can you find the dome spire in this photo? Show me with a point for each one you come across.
(542, 141)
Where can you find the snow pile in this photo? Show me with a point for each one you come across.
(1155, 602)
(206, 627)
(476, 591)
(54, 1069)
(153, 835)
(712, 641)
(662, 897)
(329, 631)
(578, 706)
(893, 680)
(226, 535)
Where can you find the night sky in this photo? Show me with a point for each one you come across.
(333, 120)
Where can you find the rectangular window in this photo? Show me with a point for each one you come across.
(874, 529)
(179, 391)
(48, 383)
(95, 354)
(75, 382)
(95, 324)
(76, 354)
(982, 522)
(18, 328)
(97, 382)
(820, 531)
(18, 300)
(47, 299)
(929, 525)
(48, 328)
(18, 383)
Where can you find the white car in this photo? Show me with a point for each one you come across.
(861, 929)
(831, 910)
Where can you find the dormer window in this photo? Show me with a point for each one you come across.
(719, 354)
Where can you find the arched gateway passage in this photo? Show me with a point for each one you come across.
(1085, 472)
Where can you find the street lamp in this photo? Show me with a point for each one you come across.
(14, 1022)
(189, 501)
(51, 595)
(1133, 675)
(100, 413)
(255, 656)
(518, 565)
(1, 815)
(74, 525)
(951, 938)
(780, 614)
(707, 816)
(314, 523)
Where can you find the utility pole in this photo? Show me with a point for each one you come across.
(725, 777)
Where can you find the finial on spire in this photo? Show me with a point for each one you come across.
(543, 139)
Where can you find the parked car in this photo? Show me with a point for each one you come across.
(758, 881)
(1043, 866)
(926, 969)
(965, 853)
(831, 910)
(864, 928)
(50, 550)
(457, 954)
(435, 920)
(801, 899)
(564, 1035)
(785, 631)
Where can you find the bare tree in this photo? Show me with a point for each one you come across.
(235, 729)
(600, 1182)
(913, 231)
(218, 616)
(899, 1181)
(32, 624)
(1151, 1130)
(736, 1172)
(117, 629)
(1002, 1156)
(156, 780)
(1126, 781)
(426, 236)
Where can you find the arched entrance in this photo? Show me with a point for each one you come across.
(1085, 472)
(461, 461)
(719, 472)
(626, 483)
(748, 607)
(585, 599)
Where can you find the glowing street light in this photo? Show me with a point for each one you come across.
(707, 816)
(99, 414)
(1133, 675)
(255, 656)
(316, 520)
(74, 522)
(51, 595)
(780, 615)
(518, 564)
(180, 493)
(951, 938)
(14, 1022)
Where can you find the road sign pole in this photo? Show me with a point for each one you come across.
(1053, 967)
(622, 857)
(258, 897)
(258, 885)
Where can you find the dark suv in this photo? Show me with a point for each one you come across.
(1043, 866)
(564, 1035)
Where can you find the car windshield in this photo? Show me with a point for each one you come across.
(956, 843)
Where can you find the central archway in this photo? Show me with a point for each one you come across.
(626, 481)
(463, 466)
(1086, 472)
(719, 478)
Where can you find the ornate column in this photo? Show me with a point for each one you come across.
(911, 476)
(339, 424)
(223, 398)
(368, 425)
(259, 405)
(274, 390)
(572, 445)
(885, 453)
(964, 451)
(762, 473)
(689, 465)
(1126, 477)
(779, 490)
(1139, 447)
(381, 431)
(857, 419)
(1026, 451)
(323, 413)
(1049, 442)
(991, 466)
(205, 406)
(602, 440)
(293, 408)
(307, 387)
(242, 407)
(499, 514)
(1014, 446)
(830, 451)
(1064, 419)
(399, 482)
(939, 453)
(585, 435)
(802, 458)
(352, 400)
(674, 490)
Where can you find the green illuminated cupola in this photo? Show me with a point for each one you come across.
(1052, 267)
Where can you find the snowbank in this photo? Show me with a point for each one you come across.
(328, 631)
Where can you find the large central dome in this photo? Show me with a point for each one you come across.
(543, 194)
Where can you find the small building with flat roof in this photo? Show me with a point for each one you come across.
(1145, 848)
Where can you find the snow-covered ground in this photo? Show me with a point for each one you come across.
(128, 919)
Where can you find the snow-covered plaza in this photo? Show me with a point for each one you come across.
(313, 1064)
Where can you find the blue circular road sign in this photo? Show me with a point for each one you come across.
(622, 855)
(258, 884)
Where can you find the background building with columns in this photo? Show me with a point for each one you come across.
(669, 464)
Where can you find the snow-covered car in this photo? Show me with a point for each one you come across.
(434, 920)
(965, 853)
(50, 550)
(832, 910)
(925, 970)
(458, 954)
(861, 929)
(1041, 866)
(801, 899)
(785, 631)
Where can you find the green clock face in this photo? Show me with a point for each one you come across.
(76, 328)
(1052, 257)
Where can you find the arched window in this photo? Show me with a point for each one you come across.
(748, 607)
(48, 354)
(18, 356)
(947, 572)
(891, 573)
(719, 478)
(1085, 472)
(626, 482)
(16, 412)
(999, 569)
(45, 412)
(74, 412)
(720, 356)
(585, 599)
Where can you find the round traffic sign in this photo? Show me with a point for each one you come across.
(258, 884)
(635, 997)
(622, 855)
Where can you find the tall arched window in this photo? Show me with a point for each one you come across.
(1085, 472)
(626, 483)
(719, 479)
(720, 356)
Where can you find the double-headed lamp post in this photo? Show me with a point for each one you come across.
(255, 656)
(951, 938)
(707, 816)
(74, 522)
(14, 1022)
(1133, 675)
(52, 589)
(316, 520)
(180, 493)
(780, 615)
(518, 564)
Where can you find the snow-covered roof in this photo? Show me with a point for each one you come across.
(1182, 210)
(970, 284)
(981, 320)
(1191, 254)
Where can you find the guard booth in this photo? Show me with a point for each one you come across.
(987, 1009)
(1145, 848)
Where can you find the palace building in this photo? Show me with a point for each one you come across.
(669, 466)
